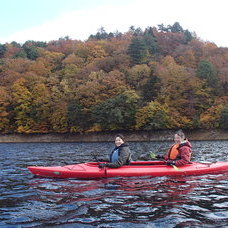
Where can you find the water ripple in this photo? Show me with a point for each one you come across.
(191, 201)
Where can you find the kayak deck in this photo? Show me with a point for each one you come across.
(91, 170)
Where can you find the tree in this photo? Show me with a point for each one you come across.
(151, 43)
(41, 108)
(188, 36)
(163, 28)
(79, 119)
(176, 27)
(212, 117)
(4, 113)
(2, 50)
(223, 121)
(100, 86)
(182, 91)
(22, 100)
(168, 42)
(58, 117)
(137, 76)
(206, 70)
(31, 48)
(137, 51)
(117, 112)
(153, 116)
(102, 35)
(151, 88)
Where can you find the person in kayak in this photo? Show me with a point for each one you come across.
(121, 154)
(180, 152)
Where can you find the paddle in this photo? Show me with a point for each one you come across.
(153, 156)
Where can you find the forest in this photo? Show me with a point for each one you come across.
(161, 77)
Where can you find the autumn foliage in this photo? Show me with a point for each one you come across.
(157, 78)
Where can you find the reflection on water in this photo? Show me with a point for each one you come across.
(191, 201)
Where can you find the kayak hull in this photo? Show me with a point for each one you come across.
(91, 170)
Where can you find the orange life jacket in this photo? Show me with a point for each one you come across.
(173, 152)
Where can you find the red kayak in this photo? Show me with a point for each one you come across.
(91, 170)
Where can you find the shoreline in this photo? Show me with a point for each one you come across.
(131, 136)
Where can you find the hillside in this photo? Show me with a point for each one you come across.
(162, 77)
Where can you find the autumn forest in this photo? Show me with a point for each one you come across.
(162, 77)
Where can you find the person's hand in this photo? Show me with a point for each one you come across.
(170, 162)
(159, 157)
(102, 165)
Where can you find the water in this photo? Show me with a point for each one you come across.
(191, 201)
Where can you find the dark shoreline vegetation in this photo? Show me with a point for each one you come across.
(131, 136)
(162, 77)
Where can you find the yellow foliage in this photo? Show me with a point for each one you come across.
(210, 118)
(95, 128)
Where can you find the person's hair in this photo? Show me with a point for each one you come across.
(180, 133)
(120, 136)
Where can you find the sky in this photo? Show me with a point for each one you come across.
(45, 20)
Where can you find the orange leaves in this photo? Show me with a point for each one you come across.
(55, 87)
(4, 103)
(152, 116)
(138, 75)
(100, 86)
(210, 119)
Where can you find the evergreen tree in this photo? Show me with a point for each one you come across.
(207, 71)
(224, 118)
(151, 89)
(78, 118)
(117, 112)
(2, 50)
(176, 27)
(188, 36)
(151, 44)
(137, 51)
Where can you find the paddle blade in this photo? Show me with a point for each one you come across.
(177, 169)
(152, 155)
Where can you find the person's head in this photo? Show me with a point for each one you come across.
(179, 137)
(119, 140)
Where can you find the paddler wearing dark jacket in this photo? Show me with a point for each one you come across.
(121, 154)
(180, 153)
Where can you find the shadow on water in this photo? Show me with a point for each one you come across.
(191, 201)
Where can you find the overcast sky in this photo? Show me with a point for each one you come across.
(45, 20)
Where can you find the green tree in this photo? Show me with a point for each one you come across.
(137, 51)
(117, 112)
(102, 34)
(151, 43)
(20, 54)
(206, 71)
(31, 48)
(224, 118)
(151, 88)
(153, 116)
(176, 27)
(79, 118)
(163, 28)
(188, 36)
(2, 50)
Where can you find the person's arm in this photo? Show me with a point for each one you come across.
(123, 157)
(185, 156)
(166, 156)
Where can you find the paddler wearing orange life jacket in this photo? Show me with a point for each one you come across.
(180, 152)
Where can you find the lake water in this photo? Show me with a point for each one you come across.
(189, 201)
